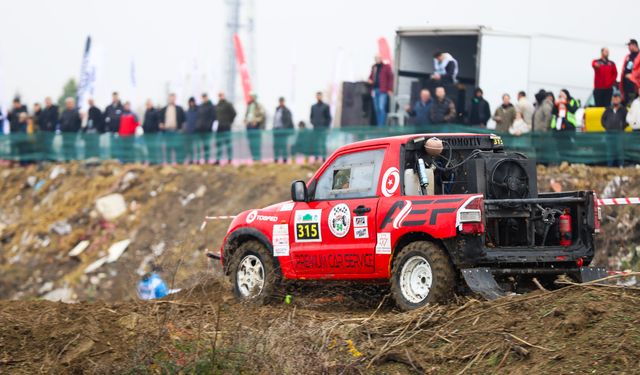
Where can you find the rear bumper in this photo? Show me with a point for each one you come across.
(469, 251)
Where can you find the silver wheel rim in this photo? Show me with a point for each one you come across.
(416, 279)
(250, 276)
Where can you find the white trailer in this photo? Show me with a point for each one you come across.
(497, 61)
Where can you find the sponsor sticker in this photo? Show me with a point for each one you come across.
(252, 216)
(287, 206)
(340, 220)
(281, 246)
(383, 245)
(307, 225)
(281, 240)
(360, 222)
(361, 233)
(280, 229)
(272, 219)
(390, 181)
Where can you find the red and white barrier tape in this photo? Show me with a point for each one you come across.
(613, 273)
(227, 217)
(618, 201)
(210, 218)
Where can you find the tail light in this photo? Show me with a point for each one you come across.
(469, 219)
(597, 214)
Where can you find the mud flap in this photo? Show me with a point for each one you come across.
(587, 274)
(480, 280)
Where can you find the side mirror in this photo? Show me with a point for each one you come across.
(299, 191)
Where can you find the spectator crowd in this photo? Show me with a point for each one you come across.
(204, 125)
(185, 135)
(545, 111)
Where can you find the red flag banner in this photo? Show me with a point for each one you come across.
(242, 66)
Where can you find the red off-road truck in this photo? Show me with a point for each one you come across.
(430, 214)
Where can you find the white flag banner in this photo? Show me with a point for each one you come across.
(87, 76)
(133, 85)
(4, 105)
(335, 86)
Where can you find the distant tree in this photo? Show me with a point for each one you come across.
(70, 90)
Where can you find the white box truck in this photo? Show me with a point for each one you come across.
(497, 61)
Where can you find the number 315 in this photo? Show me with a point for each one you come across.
(307, 231)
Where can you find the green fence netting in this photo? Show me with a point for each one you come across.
(269, 145)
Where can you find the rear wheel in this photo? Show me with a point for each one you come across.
(421, 274)
(253, 273)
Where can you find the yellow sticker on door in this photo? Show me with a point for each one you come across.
(307, 225)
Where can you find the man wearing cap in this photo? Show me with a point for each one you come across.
(254, 120)
(630, 79)
(614, 120)
(605, 74)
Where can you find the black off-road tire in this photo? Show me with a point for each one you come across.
(443, 274)
(272, 278)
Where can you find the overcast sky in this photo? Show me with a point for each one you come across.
(297, 42)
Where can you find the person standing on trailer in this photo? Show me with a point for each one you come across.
(605, 74)
(630, 78)
(381, 81)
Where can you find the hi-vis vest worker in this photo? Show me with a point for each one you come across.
(564, 117)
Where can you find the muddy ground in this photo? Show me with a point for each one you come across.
(573, 330)
(46, 210)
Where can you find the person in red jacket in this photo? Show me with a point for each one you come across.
(605, 76)
(381, 81)
(128, 121)
(128, 125)
(630, 78)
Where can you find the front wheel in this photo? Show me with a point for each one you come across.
(253, 273)
(421, 274)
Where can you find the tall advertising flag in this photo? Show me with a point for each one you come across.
(133, 85)
(4, 106)
(244, 69)
(87, 77)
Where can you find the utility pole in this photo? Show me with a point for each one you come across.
(251, 39)
(233, 26)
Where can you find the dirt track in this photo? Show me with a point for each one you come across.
(325, 330)
(577, 329)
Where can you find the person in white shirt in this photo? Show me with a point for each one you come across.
(633, 116)
(519, 126)
(525, 107)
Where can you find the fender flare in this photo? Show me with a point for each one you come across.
(241, 235)
(410, 237)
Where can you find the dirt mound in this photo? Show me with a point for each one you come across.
(618, 245)
(577, 329)
(48, 209)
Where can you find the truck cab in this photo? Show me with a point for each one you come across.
(421, 212)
